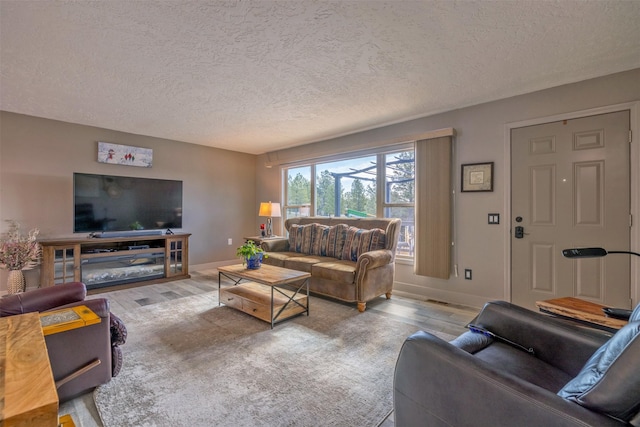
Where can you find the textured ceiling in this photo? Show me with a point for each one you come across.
(256, 76)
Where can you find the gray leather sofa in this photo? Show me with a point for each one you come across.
(350, 259)
(572, 375)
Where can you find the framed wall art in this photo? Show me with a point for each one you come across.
(477, 177)
(117, 154)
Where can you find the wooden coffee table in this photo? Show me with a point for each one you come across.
(270, 293)
(582, 311)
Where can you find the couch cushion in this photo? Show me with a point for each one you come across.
(278, 258)
(301, 237)
(302, 263)
(610, 380)
(523, 365)
(359, 241)
(341, 271)
(328, 240)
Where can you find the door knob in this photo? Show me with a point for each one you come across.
(519, 232)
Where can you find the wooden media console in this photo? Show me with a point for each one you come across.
(101, 262)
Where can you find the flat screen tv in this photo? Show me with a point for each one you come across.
(122, 203)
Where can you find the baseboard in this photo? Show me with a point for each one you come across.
(213, 265)
(420, 292)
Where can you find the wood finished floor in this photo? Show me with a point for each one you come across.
(448, 318)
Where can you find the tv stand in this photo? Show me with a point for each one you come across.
(110, 261)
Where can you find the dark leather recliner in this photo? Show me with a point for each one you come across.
(535, 370)
(72, 350)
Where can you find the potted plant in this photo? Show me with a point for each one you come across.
(251, 254)
(18, 253)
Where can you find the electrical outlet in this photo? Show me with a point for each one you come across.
(230, 241)
(467, 273)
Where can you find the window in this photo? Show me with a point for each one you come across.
(378, 185)
(347, 187)
(298, 192)
(399, 187)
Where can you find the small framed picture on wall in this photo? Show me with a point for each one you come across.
(477, 177)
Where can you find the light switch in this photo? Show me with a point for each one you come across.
(494, 218)
(467, 273)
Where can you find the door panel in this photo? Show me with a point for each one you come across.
(543, 195)
(570, 188)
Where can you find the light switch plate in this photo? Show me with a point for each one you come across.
(467, 273)
(494, 218)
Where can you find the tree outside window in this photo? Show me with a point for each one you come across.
(347, 187)
(298, 192)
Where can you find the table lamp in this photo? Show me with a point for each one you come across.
(269, 210)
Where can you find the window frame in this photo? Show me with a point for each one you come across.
(381, 163)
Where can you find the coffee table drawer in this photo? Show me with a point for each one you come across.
(230, 299)
(255, 299)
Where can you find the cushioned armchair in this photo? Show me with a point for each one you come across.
(526, 369)
(71, 351)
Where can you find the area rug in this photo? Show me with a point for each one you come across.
(190, 362)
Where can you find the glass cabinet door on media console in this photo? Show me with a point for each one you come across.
(177, 263)
(60, 264)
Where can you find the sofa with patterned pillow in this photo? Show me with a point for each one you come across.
(350, 259)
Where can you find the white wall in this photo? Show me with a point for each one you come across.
(480, 137)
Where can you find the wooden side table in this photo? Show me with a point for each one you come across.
(259, 239)
(28, 391)
(582, 311)
(26, 380)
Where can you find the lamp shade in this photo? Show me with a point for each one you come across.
(270, 209)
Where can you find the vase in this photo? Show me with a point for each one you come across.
(254, 262)
(15, 282)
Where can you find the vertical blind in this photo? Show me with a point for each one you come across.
(433, 214)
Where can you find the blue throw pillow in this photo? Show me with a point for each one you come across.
(610, 380)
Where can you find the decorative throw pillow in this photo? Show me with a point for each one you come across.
(329, 240)
(610, 380)
(359, 241)
(316, 238)
(300, 238)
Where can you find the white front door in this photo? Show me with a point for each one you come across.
(570, 188)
